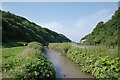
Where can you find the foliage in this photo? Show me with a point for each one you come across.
(60, 47)
(13, 43)
(8, 54)
(106, 33)
(95, 60)
(20, 29)
(30, 64)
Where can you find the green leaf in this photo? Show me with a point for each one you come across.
(48, 75)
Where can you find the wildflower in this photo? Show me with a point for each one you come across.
(27, 57)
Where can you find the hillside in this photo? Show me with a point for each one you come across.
(106, 33)
(17, 28)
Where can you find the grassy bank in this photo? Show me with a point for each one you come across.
(99, 61)
(27, 62)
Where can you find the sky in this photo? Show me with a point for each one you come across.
(72, 19)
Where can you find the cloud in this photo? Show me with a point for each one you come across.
(82, 26)
(55, 26)
(58, 27)
(87, 24)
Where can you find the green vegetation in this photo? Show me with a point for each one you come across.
(12, 43)
(106, 33)
(10, 52)
(16, 28)
(27, 62)
(97, 60)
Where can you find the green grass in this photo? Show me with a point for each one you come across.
(100, 61)
(11, 52)
(100, 50)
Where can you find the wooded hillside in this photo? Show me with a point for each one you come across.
(20, 29)
(106, 33)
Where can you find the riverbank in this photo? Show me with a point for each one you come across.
(26, 63)
(98, 61)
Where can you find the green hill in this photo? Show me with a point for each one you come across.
(106, 33)
(17, 28)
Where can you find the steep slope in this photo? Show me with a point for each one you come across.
(106, 33)
(20, 29)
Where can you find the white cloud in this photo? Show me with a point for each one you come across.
(82, 26)
(55, 26)
(58, 27)
(86, 25)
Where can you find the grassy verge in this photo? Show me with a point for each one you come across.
(10, 52)
(99, 61)
(30, 64)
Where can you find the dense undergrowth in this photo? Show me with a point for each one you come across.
(99, 61)
(29, 64)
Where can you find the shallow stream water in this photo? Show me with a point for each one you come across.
(64, 67)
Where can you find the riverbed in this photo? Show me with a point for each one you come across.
(64, 67)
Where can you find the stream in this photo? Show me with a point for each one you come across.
(64, 67)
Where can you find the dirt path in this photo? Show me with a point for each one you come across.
(10, 48)
(25, 52)
(75, 45)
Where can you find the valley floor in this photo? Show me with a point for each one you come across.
(31, 62)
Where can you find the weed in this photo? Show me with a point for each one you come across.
(99, 61)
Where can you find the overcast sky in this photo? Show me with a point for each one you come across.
(73, 19)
